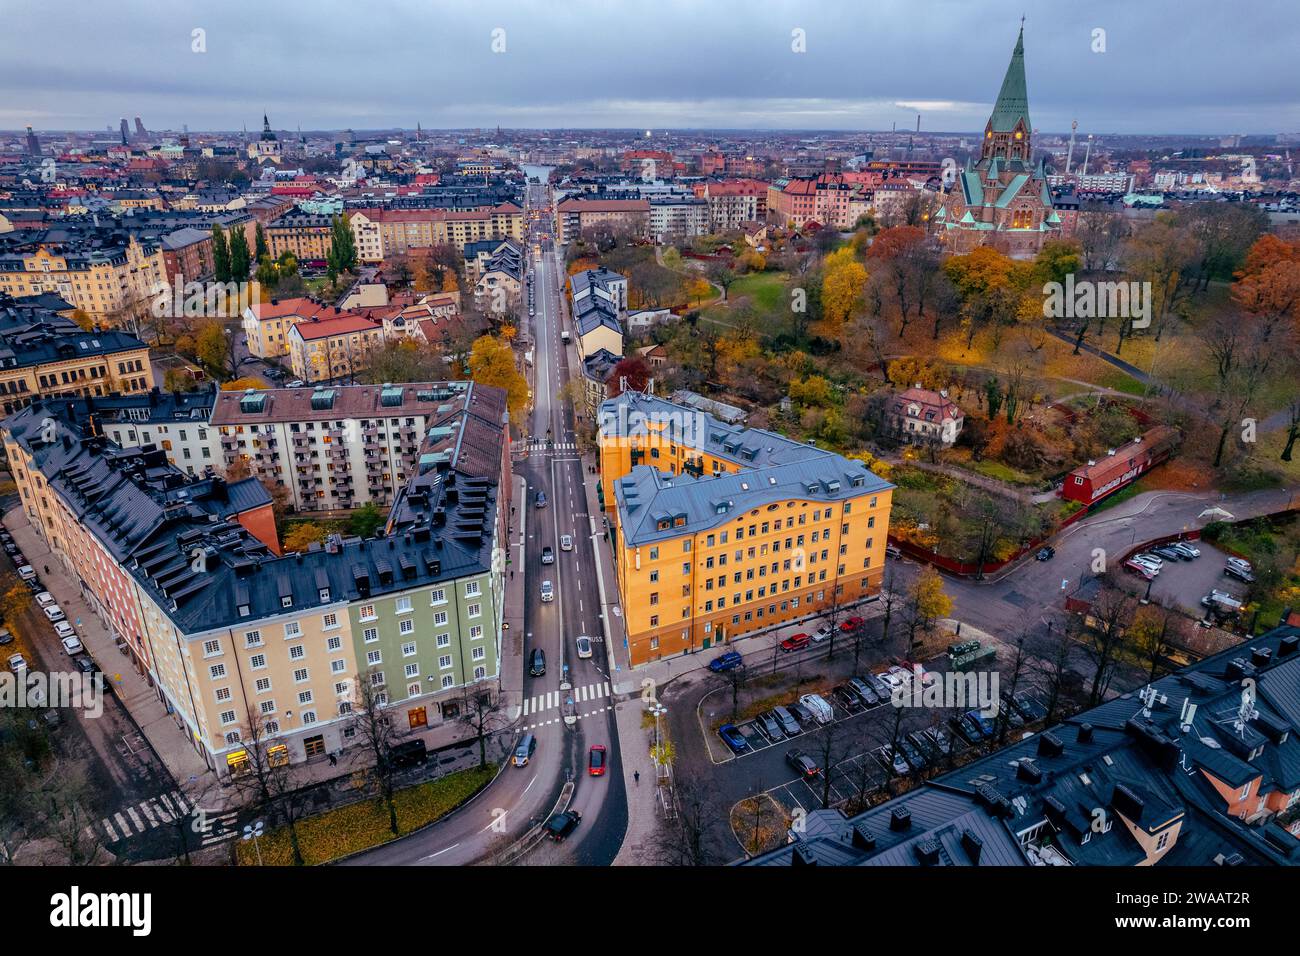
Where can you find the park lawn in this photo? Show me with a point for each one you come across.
(359, 826)
(1002, 472)
(766, 290)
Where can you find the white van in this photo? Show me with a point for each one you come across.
(818, 707)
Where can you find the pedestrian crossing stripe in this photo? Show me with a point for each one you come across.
(553, 699)
(156, 811)
(540, 446)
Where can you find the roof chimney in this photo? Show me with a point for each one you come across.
(973, 845)
(900, 818)
(1085, 733)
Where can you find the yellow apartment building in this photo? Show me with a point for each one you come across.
(720, 531)
(99, 281)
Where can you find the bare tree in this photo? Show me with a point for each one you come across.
(1019, 664)
(1051, 664)
(1102, 637)
(480, 710)
(683, 839)
(267, 776)
(734, 679)
(378, 734)
(830, 747)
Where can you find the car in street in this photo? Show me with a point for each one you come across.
(769, 725)
(803, 764)
(84, 664)
(45, 599)
(18, 558)
(725, 662)
(584, 646)
(596, 760)
(296, 383)
(852, 624)
(892, 551)
(559, 826)
(537, 663)
(53, 612)
(548, 556)
(10, 548)
(795, 642)
(1045, 554)
(940, 740)
(26, 572)
(17, 663)
(548, 591)
(822, 633)
(821, 710)
(566, 542)
(1140, 569)
(733, 738)
(540, 499)
(789, 726)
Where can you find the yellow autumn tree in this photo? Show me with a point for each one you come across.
(843, 282)
(492, 362)
(301, 536)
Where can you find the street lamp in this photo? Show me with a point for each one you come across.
(657, 710)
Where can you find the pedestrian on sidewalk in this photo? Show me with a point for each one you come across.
(334, 760)
(636, 777)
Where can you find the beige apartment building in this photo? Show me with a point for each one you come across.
(383, 233)
(327, 349)
(101, 281)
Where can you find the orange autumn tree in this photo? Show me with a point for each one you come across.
(843, 280)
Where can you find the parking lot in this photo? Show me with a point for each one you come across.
(1182, 584)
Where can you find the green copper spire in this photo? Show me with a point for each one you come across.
(1013, 100)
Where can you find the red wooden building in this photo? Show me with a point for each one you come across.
(1121, 466)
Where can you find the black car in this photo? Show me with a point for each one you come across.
(770, 726)
(800, 713)
(1028, 707)
(967, 729)
(1169, 554)
(1046, 554)
(84, 664)
(562, 824)
(537, 663)
(409, 753)
(911, 754)
(924, 744)
(940, 739)
(1007, 711)
(847, 698)
(803, 764)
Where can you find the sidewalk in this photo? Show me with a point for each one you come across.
(642, 809)
(164, 731)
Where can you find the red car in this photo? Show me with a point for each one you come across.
(795, 642)
(852, 624)
(596, 760)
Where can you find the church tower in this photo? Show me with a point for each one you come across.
(1007, 133)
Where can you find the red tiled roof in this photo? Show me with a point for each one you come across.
(324, 328)
(302, 306)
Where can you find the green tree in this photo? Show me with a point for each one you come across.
(240, 258)
(220, 254)
(367, 520)
(261, 250)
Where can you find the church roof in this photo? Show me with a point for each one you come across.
(1013, 99)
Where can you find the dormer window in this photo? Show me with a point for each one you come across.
(324, 594)
(244, 610)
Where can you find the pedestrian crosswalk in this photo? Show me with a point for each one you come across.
(166, 808)
(553, 699)
(541, 447)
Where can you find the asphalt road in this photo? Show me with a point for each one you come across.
(573, 688)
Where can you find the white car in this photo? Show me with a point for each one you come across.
(818, 707)
(27, 572)
(566, 542)
(584, 647)
(17, 663)
(548, 591)
(64, 629)
(1241, 563)
(822, 633)
(72, 646)
(45, 599)
(1150, 560)
(54, 612)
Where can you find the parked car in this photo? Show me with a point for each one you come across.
(10, 548)
(1239, 563)
(924, 744)
(733, 738)
(1186, 548)
(852, 624)
(801, 714)
(882, 688)
(725, 662)
(596, 760)
(5, 636)
(84, 664)
(53, 612)
(45, 599)
(822, 633)
(1140, 569)
(967, 729)
(409, 753)
(296, 383)
(18, 558)
(821, 710)
(1046, 554)
(770, 726)
(802, 763)
(1008, 712)
(64, 629)
(566, 542)
(942, 742)
(1241, 574)
(986, 726)
(911, 754)
(847, 697)
(562, 824)
(26, 572)
(865, 691)
(17, 663)
(892, 551)
(548, 591)
(1029, 707)
(548, 556)
(1169, 553)
(894, 760)
(789, 726)
(584, 646)
(1150, 560)
(795, 642)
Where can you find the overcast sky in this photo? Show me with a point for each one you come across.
(1197, 66)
